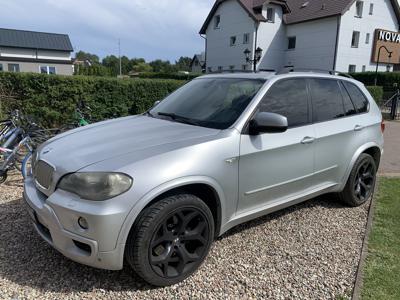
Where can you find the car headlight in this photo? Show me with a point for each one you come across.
(96, 186)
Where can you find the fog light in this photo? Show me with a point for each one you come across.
(83, 223)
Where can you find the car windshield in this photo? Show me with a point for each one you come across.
(209, 102)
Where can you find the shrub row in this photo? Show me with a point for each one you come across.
(385, 79)
(176, 76)
(53, 99)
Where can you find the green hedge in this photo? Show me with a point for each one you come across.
(377, 93)
(53, 99)
(385, 79)
(176, 76)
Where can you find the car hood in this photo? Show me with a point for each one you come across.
(136, 136)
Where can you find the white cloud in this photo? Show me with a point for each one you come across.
(162, 28)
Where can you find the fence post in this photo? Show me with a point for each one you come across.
(395, 101)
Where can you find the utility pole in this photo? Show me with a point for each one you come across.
(119, 54)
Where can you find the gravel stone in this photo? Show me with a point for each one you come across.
(309, 251)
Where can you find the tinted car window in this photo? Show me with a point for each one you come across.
(349, 108)
(288, 98)
(360, 101)
(327, 100)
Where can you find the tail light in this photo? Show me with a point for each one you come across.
(383, 126)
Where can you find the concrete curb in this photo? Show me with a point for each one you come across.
(364, 250)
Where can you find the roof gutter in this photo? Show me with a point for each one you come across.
(339, 21)
(205, 55)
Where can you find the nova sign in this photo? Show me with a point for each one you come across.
(391, 41)
(389, 36)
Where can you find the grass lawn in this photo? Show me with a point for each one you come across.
(382, 269)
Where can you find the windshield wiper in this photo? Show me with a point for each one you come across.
(178, 118)
(149, 114)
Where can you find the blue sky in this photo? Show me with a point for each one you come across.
(163, 29)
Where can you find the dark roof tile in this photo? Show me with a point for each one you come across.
(35, 40)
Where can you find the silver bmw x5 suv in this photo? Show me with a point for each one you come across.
(155, 190)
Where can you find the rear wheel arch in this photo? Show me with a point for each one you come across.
(375, 152)
(372, 149)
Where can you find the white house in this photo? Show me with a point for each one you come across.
(35, 52)
(341, 35)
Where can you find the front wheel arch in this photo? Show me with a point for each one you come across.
(168, 187)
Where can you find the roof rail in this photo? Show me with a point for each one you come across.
(288, 70)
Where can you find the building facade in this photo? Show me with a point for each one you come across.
(341, 35)
(35, 52)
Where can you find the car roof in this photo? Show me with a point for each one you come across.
(270, 75)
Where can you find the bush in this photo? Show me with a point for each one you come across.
(177, 76)
(385, 79)
(377, 93)
(53, 99)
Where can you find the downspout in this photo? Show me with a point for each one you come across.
(339, 18)
(257, 24)
(205, 56)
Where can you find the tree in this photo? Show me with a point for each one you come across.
(142, 67)
(112, 63)
(183, 64)
(161, 66)
(93, 58)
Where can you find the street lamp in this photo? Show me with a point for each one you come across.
(257, 57)
(377, 63)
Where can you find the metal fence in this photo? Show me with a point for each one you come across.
(391, 108)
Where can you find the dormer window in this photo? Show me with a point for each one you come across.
(270, 15)
(359, 9)
(217, 22)
(257, 10)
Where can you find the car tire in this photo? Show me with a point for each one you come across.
(360, 186)
(170, 240)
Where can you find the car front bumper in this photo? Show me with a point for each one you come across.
(74, 245)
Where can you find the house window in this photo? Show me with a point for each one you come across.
(371, 9)
(1, 67)
(13, 68)
(367, 38)
(47, 70)
(270, 14)
(355, 39)
(246, 38)
(352, 68)
(292, 43)
(364, 68)
(359, 9)
(220, 68)
(217, 22)
(233, 40)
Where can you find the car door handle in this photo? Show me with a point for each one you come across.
(358, 128)
(308, 140)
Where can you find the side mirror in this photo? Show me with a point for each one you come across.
(264, 122)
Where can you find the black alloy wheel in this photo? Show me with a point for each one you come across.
(360, 186)
(364, 181)
(170, 239)
(179, 242)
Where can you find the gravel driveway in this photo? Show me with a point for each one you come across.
(310, 251)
